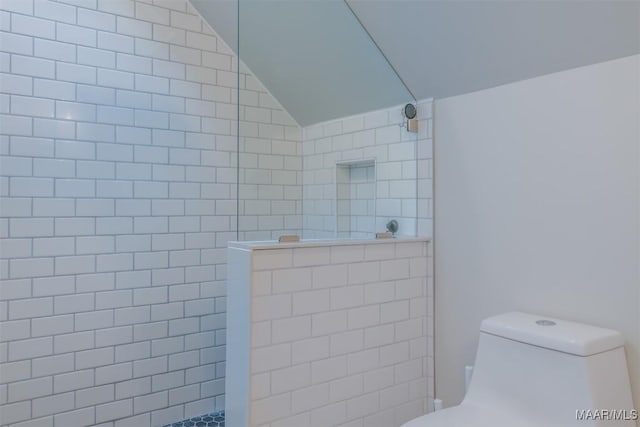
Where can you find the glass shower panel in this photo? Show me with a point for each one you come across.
(323, 150)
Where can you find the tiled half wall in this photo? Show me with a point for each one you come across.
(337, 335)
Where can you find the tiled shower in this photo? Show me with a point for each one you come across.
(123, 180)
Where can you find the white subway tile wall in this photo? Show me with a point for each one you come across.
(270, 190)
(403, 171)
(355, 199)
(119, 154)
(332, 346)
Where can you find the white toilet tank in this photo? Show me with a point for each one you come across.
(549, 372)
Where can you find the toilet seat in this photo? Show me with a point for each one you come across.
(468, 415)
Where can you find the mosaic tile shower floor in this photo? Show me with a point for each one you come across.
(215, 419)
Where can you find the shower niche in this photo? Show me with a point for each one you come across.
(355, 199)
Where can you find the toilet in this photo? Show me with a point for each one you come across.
(535, 371)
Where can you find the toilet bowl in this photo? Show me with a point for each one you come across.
(533, 371)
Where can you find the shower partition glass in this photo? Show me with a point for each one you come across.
(323, 146)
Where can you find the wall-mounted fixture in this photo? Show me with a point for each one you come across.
(410, 112)
(392, 226)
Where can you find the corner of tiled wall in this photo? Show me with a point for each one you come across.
(403, 169)
(119, 170)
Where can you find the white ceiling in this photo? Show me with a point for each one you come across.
(317, 61)
(445, 48)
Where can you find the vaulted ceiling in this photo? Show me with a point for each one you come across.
(322, 62)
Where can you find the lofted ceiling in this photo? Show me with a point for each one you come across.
(319, 62)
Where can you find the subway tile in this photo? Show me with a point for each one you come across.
(133, 27)
(53, 246)
(23, 24)
(73, 381)
(184, 20)
(14, 125)
(96, 94)
(96, 57)
(53, 207)
(329, 276)
(152, 13)
(116, 79)
(151, 119)
(133, 99)
(168, 34)
(15, 43)
(97, 20)
(54, 50)
(311, 301)
(13, 331)
(15, 248)
(94, 169)
(55, 11)
(134, 387)
(15, 289)
(30, 389)
(113, 42)
(114, 410)
(291, 329)
(133, 63)
(18, 6)
(113, 336)
(114, 152)
(94, 395)
(329, 322)
(150, 48)
(93, 320)
(114, 262)
(114, 373)
(52, 404)
(51, 128)
(54, 168)
(171, 104)
(117, 7)
(75, 188)
(75, 264)
(30, 267)
(31, 66)
(15, 206)
(52, 364)
(74, 226)
(75, 111)
(114, 299)
(15, 166)
(134, 316)
(31, 348)
(11, 83)
(95, 282)
(114, 225)
(76, 35)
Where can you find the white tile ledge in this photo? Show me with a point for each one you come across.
(312, 243)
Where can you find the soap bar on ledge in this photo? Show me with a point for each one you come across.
(289, 238)
(385, 235)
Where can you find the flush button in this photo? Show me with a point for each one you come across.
(544, 322)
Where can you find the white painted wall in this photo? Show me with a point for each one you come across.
(537, 209)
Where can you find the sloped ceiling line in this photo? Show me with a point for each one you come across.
(309, 58)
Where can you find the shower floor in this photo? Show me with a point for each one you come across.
(215, 419)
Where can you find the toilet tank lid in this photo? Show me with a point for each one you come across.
(555, 334)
